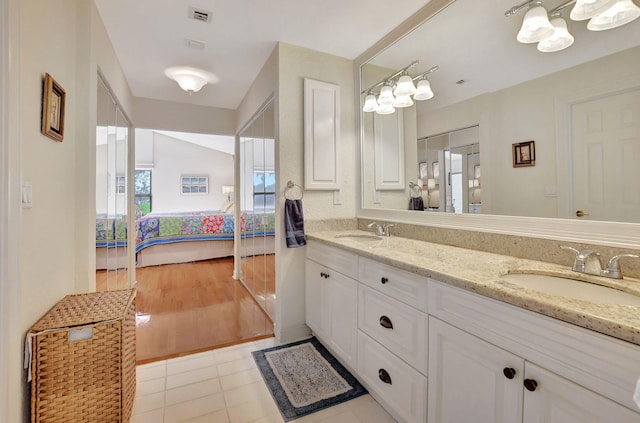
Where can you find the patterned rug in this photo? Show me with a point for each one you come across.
(304, 377)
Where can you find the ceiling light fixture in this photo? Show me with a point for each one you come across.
(396, 91)
(190, 79)
(602, 15)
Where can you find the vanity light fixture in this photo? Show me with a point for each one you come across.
(396, 91)
(602, 15)
(190, 79)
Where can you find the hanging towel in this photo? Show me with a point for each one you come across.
(416, 203)
(294, 224)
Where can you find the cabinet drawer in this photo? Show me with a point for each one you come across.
(398, 327)
(337, 259)
(403, 286)
(404, 394)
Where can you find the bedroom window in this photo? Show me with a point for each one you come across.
(264, 192)
(142, 199)
(121, 184)
(195, 185)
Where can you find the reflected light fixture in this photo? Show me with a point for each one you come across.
(396, 91)
(535, 25)
(587, 9)
(559, 40)
(620, 13)
(190, 79)
(228, 189)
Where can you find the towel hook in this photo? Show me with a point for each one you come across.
(291, 186)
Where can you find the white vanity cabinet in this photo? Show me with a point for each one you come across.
(527, 368)
(331, 298)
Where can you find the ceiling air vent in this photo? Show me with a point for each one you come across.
(199, 15)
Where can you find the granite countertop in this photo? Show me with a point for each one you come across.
(481, 272)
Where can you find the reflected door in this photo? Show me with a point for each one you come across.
(112, 144)
(606, 157)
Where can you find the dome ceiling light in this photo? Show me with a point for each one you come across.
(190, 79)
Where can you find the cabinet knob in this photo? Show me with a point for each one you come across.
(385, 322)
(530, 384)
(324, 275)
(384, 280)
(509, 372)
(384, 376)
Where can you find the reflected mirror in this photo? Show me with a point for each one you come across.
(580, 106)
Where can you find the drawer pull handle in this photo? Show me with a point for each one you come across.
(384, 280)
(385, 322)
(384, 376)
(509, 372)
(530, 384)
(324, 275)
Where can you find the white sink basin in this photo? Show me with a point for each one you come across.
(365, 238)
(573, 289)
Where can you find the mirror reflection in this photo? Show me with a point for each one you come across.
(580, 106)
(257, 209)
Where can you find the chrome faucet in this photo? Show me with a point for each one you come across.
(588, 261)
(381, 229)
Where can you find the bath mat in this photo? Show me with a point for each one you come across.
(304, 377)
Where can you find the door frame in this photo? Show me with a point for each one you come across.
(564, 135)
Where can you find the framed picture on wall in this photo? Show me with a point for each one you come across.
(436, 171)
(423, 171)
(53, 102)
(476, 172)
(524, 154)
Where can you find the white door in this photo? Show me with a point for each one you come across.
(606, 158)
(316, 298)
(471, 380)
(342, 299)
(556, 400)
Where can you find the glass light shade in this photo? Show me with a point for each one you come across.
(622, 12)
(559, 40)
(587, 9)
(370, 103)
(423, 92)
(403, 101)
(405, 86)
(386, 96)
(431, 183)
(535, 26)
(189, 79)
(385, 109)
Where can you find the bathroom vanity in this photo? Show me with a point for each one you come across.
(437, 335)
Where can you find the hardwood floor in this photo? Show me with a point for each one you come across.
(191, 307)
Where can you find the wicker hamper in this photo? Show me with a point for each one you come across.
(83, 359)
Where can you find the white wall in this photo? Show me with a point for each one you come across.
(173, 158)
(295, 64)
(522, 113)
(66, 39)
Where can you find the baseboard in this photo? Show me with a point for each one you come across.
(291, 334)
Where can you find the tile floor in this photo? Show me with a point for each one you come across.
(225, 386)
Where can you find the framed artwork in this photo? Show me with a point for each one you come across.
(524, 154)
(476, 172)
(53, 102)
(423, 171)
(436, 171)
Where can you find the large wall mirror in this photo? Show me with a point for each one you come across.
(580, 107)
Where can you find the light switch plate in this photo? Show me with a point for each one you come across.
(27, 195)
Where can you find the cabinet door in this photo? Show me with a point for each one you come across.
(316, 315)
(342, 300)
(469, 378)
(557, 400)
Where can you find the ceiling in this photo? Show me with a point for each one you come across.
(151, 35)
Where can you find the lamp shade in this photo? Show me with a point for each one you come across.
(587, 9)
(423, 92)
(190, 79)
(227, 189)
(385, 109)
(431, 183)
(403, 100)
(620, 13)
(370, 103)
(535, 26)
(404, 86)
(559, 40)
(386, 95)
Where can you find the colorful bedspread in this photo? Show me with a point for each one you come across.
(163, 228)
(111, 231)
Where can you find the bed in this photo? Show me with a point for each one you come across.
(179, 237)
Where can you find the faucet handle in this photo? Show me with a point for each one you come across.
(566, 247)
(613, 267)
(578, 263)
